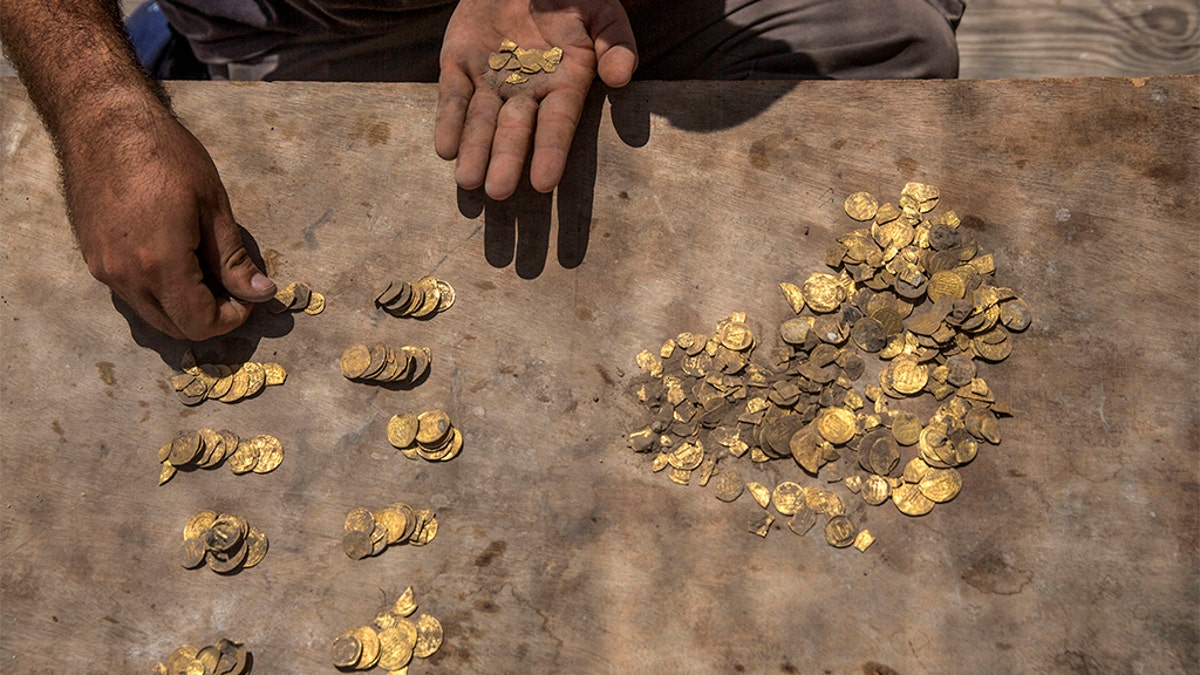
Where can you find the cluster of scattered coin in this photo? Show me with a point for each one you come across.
(381, 363)
(915, 291)
(367, 532)
(523, 62)
(220, 382)
(297, 297)
(226, 542)
(390, 641)
(226, 657)
(424, 297)
(206, 449)
(429, 435)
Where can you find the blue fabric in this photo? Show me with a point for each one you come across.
(149, 32)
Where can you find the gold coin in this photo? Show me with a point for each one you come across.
(795, 331)
(226, 562)
(729, 485)
(680, 476)
(915, 470)
(861, 206)
(166, 474)
(1015, 315)
(433, 297)
(761, 525)
(760, 493)
(186, 446)
(824, 501)
(823, 293)
(446, 296)
(454, 446)
(394, 649)
(863, 540)
(735, 335)
(788, 497)
(837, 425)
(794, 295)
(357, 545)
(274, 374)
(355, 361)
(405, 605)
(256, 545)
(270, 454)
(402, 430)
(910, 501)
(429, 636)
(908, 375)
(839, 531)
(345, 650)
(802, 521)
(369, 639)
(686, 456)
(192, 554)
(906, 428)
(359, 520)
(940, 485)
(945, 285)
(432, 427)
(316, 304)
(198, 523)
(394, 521)
(498, 60)
(244, 458)
(876, 490)
(426, 533)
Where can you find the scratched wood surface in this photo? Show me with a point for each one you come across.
(1073, 547)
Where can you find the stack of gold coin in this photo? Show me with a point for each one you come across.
(224, 383)
(366, 533)
(226, 542)
(912, 292)
(423, 298)
(390, 641)
(206, 449)
(297, 297)
(381, 363)
(226, 657)
(524, 62)
(429, 435)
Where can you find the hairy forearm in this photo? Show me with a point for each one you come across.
(79, 69)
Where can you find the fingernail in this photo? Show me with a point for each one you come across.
(260, 282)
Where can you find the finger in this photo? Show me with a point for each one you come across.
(557, 118)
(514, 131)
(147, 307)
(616, 50)
(225, 253)
(475, 148)
(191, 306)
(454, 95)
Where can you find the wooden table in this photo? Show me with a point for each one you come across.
(1073, 547)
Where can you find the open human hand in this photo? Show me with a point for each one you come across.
(488, 125)
(154, 223)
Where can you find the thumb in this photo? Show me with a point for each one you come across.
(616, 51)
(227, 256)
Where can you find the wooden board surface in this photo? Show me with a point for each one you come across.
(1073, 547)
(1078, 38)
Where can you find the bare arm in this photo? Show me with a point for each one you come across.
(145, 200)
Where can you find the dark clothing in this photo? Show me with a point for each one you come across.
(400, 40)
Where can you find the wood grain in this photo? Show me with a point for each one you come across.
(1079, 38)
(1073, 546)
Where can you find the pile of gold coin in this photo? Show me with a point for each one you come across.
(220, 382)
(390, 641)
(206, 449)
(423, 298)
(366, 533)
(226, 542)
(429, 435)
(297, 297)
(915, 291)
(226, 657)
(381, 363)
(524, 62)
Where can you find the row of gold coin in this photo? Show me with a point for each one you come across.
(381, 363)
(428, 435)
(206, 449)
(226, 657)
(523, 62)
(297, 297)
(420, 299)
(366, 533)
(390, 641)
(226, 542)
(224, 383)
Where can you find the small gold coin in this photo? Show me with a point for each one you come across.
(823, 293)
(405, 605)
(788, 497)
(908, 375)
(837, 425)
(369, 639)
(729, 485)
(861, 206)
(876, 490)
(910, 501)
(429, 636)
(394, 649)
(316, 304)
(839, 531)
(432, 427)
(863, 540)
(446, 296)
(760, 493)
(355, 361)
(940, 485)
(794, 295)
(270, 454)
(802, 521)
(402, 430)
